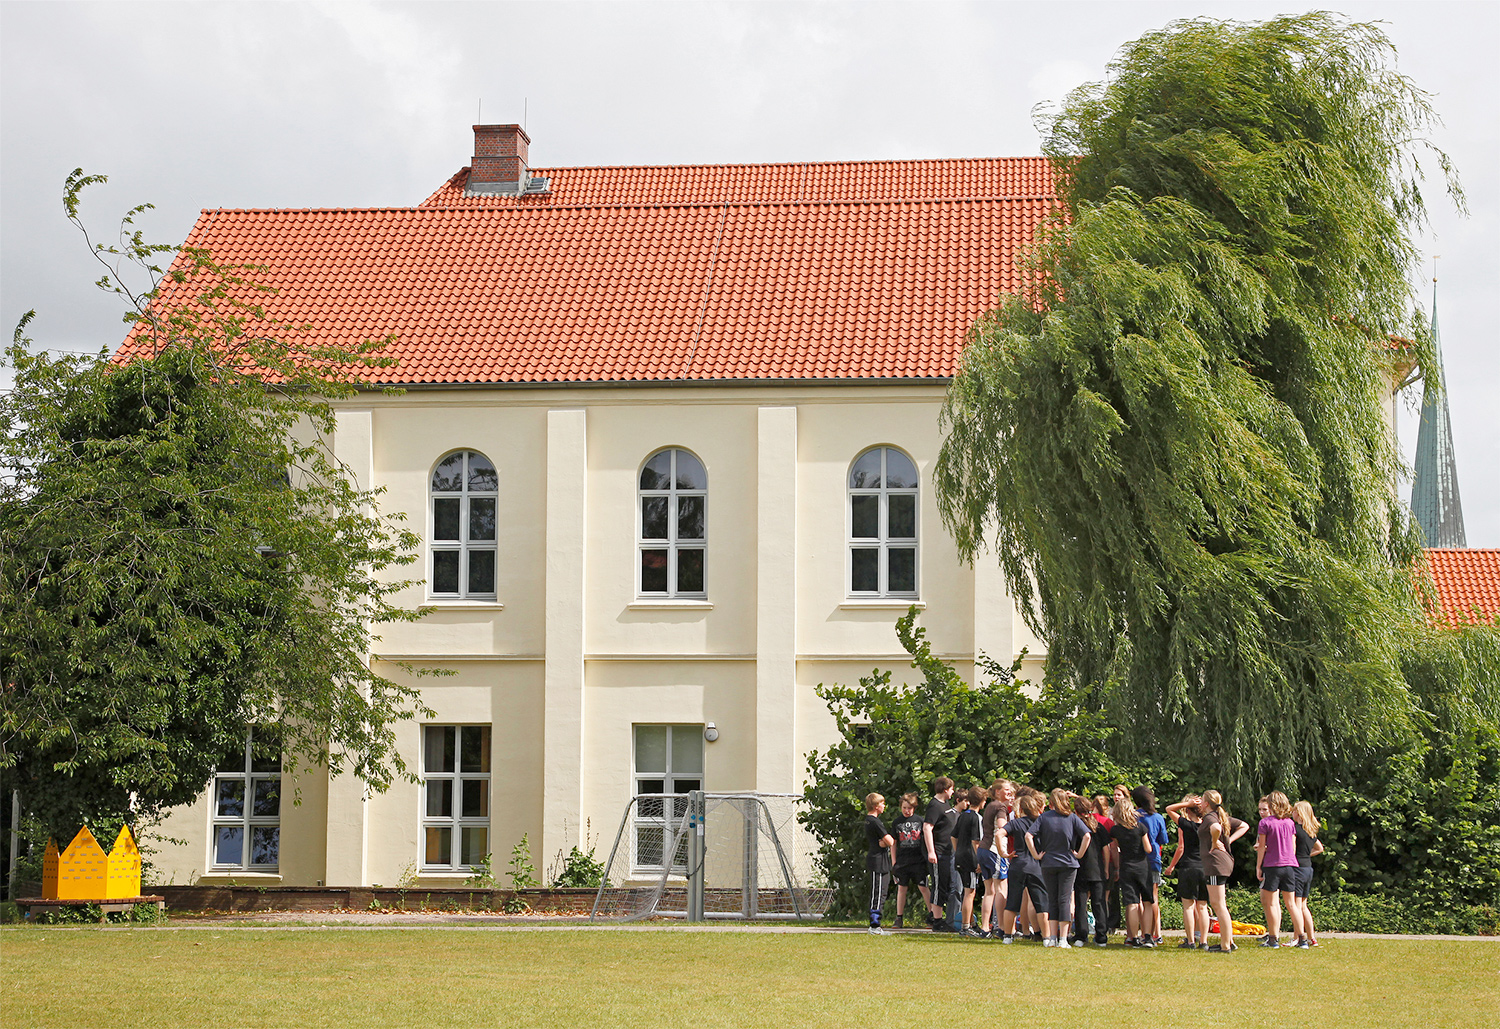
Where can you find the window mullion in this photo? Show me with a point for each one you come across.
(671, 534)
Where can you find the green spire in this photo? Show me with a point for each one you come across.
(1434, 494)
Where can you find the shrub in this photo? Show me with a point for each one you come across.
(897, 739)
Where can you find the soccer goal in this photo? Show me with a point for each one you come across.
(710, 855)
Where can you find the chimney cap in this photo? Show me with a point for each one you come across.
(495, 129)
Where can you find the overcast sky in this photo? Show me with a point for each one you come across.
(194, 105)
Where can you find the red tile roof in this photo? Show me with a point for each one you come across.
(689, 286)
(1467, 583)
(985, 177)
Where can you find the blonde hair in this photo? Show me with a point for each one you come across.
(1124, 813)
(1302, 811)
(1216, 800)
(912, 799)
(872, 802)
(1280, 806)
(1031, 805)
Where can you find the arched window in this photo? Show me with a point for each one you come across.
(883, 524)
(673, 525)
(461, 536)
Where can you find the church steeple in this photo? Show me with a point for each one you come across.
(1434, 494)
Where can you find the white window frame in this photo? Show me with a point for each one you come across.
(463, 546)
(456, 821)
(644, 817)
(883, 542)
(247, 778)
(672, 545)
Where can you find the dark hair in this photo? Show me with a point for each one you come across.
(941, 783)
(976, 797)
(1144, 799)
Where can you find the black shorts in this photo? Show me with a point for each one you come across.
(1304, 881)
(1135, 884)
(1191, 885)
(912, 875)
(1280, 879)
(968, 877)
(1020, 885)
(1216, 880)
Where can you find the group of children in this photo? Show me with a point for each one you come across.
(1045, 867)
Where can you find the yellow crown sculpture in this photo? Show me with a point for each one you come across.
(85, 872)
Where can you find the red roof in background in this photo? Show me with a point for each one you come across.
(984, 177)
(650, 274)
(1465, 580)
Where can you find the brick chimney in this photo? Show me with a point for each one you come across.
(499, 164)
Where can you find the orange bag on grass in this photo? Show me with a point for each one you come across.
(1240, 928)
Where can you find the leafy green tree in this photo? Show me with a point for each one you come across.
(895, 740)
(182, 556)
(1174, 439)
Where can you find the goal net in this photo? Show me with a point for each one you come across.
(754, 861)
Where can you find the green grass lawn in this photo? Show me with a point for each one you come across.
(441, 977)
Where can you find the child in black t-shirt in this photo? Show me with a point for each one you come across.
(1134, 841)
(877, 858)
(911, 868)
(1025, 873)
(937, 833)
(966, 833)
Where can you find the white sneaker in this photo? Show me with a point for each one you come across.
(875, 930)
(1049, 942)
(1077, 943)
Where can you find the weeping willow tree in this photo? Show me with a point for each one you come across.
(1174, 438)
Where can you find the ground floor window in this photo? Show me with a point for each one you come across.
(247, 804)
(455, 796)
(668, 760)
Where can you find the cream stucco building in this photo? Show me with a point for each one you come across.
(668, 436)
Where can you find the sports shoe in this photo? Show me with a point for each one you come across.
(968, 933)
(1148, 943)
(1077, 943)
(1049, 942)
(899, 924)
(1100, 942)
(1270, 942)
(1131, 941)
(1007, 938)
(984, 934)
(1302, 945)
(1312, 943)
(1219, 949)
(875, 930)
(1156, 940)
(1187, 945)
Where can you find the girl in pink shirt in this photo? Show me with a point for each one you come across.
(1276, 866)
